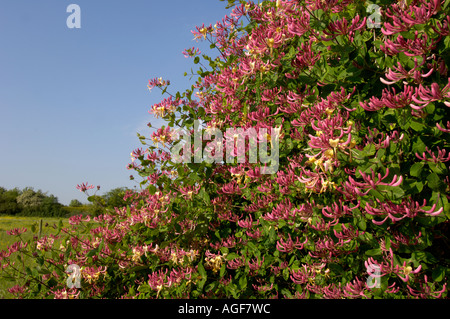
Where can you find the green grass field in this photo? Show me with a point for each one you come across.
(10, 222)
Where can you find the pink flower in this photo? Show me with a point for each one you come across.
(443, 28)
(157, 82)
(77, 219)
(390, 99)
(425, 95)
(321, 225)
(260, 114)
(281, 211)
(445, 130)
(235, 263)
(300, 24)
(137, 153)
(346, 234)
(306, 57)
(426, 290)
(163, 136)
(387, 267)
(202, 31)
(337, 210)
(17, 290)
(332, 291)
(404, 20)
(191, 52)
(355, 289)
(84, 187)
(440, 158)
(247, 223)
(72, 293)
(289, 245)
(265, 188)
(326, 249)
(16, 231)
(165, 107)
(189, 191)
(333, 5)
(397, 212)
(302, 275)
(232, 188)
(393, 77)
(255, 264)
(263, 288)
(411, 47)
(15, 247)
(341, 27)
(255, 234)
(362, 188)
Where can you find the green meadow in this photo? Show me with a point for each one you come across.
(10, 222)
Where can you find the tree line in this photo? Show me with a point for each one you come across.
(31, 202)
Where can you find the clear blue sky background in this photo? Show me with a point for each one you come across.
(72, 100)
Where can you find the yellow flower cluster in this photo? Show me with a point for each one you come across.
(215, 262)
(187, 258)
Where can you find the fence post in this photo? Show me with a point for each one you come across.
(40, 228)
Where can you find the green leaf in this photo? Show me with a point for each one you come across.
(204, 195)
(424, 256)
(92, 252)
(232, 256)
(411, 186)
(286, 292)
(43, 271)
(418, 145)
(243, 282)
(222, 270)
(393, 192)
(387, 241)
(231, 288)
(196, 60)
(438, 168)
(438, 274)
(201, 270)
(416, 169)
(373, 252)
(419, 186)
(376, 193)
(416, 126)
(252, 246)
(434, 182)
(336, 268)
(362, 225)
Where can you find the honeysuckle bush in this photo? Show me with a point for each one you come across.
(359, 94)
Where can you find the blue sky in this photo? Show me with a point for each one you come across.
(72, 100)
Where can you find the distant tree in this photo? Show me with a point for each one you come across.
(115, 197)
(75, 203)
(8, 201)
(30, 197)
(51, 207)
(37, 203)
(97, 205)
